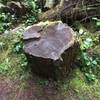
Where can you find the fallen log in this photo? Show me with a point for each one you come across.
(50, 48)
(72, 10)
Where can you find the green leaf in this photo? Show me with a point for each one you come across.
(94, 62)
(98, 23)
(81, 31)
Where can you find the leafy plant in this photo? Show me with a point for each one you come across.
(97, 20)
(30, 19)
(5, 66)
(89, 59)
(6, 20)
(33, 13)
(17, 47)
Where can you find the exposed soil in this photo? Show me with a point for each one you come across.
(27, 90)
(40, 89)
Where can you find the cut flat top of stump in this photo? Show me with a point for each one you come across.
(48, 39)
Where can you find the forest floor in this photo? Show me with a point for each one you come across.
(35, 88)
(18, 83)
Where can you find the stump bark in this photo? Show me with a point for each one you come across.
(50, 48)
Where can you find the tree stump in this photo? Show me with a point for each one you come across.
(50, 48)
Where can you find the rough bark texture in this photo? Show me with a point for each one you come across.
(73, 10)
(50, 48)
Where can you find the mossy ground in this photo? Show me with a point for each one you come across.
(79, 88)
(17, 82)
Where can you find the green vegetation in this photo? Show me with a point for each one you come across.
(33, 12)
(76, 87)
(6, 20)
(12, 61)
(89, 57)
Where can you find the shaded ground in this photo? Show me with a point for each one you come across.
(39, 89)
(26, 90)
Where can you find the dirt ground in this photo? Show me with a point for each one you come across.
(36, 89)
(26, 90)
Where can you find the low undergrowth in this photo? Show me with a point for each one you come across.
(89, 56)
(10, 20)
(12, 60)
(77, 88)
